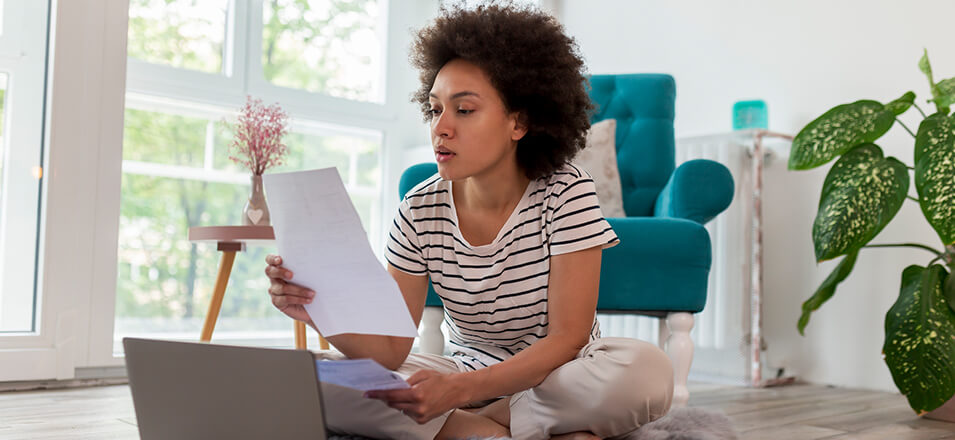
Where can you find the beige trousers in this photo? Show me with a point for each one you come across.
(611, 388)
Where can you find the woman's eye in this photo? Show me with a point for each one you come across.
(434, 111)
(464, 111)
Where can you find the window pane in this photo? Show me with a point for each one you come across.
(325, 46)
(19, 209)
(163, 138)
(3, 100)
(180, 33)
(23, 71)
(164, 281)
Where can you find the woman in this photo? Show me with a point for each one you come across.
(510, 235)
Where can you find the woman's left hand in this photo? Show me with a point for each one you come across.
(431, 394)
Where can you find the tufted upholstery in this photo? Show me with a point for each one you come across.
(645, 142)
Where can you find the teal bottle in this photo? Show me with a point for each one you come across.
(749, 115)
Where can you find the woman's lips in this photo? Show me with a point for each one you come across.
(443, 156)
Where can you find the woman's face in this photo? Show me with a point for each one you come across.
(471, 131)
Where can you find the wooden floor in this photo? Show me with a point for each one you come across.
(788, 412)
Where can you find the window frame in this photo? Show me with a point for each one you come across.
(80, 189)
(82, 72)
(396, 119)
(23, 59)
(229, 90)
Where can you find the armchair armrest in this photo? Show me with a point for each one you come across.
(661, 264)
(698, 190)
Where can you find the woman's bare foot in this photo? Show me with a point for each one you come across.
(580, 435)
(464, 424)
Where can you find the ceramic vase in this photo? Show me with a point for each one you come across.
(256, 212)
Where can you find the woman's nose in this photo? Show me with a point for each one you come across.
(441, 126)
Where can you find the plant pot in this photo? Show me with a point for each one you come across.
(256, 212)
(945, 413)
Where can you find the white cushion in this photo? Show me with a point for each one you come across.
(599, 158)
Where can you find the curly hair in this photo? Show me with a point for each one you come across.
(535, 67)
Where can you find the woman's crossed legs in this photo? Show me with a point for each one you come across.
(614, 386)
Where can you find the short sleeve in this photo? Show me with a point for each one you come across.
(403, 251)
(577, 221)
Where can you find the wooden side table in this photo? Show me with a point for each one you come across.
(229, 240)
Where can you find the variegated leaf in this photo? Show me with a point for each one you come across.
(826, 289)
(837, 131)
(919, 343)
(949, 291)
(902, 104)
(945, 93)
(925, 66)
(935, 173)
(861, 194)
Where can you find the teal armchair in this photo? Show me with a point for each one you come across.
(661, 266)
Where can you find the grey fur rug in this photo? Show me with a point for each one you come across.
(678, 424)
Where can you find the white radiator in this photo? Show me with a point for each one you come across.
(721, 332)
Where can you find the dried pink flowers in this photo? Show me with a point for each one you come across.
(257, 144)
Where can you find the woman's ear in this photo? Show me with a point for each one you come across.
(520, 125)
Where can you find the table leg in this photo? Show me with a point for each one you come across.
(301, 337)
(222, 279)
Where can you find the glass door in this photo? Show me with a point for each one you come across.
(23, 55)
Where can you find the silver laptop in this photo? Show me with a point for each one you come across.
(185, 390)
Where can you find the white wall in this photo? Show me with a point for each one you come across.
(802, 58)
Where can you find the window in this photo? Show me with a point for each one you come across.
(182, 34)
(22, 73)
(191, 65)
(329, 47)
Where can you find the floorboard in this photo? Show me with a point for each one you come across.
(781, 413)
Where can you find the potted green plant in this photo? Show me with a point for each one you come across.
(861, 194)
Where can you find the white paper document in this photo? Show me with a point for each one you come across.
(359, 374)
(321, 240)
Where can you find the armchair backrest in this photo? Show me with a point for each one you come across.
(643, 105)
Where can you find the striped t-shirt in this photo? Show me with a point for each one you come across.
(495, 295)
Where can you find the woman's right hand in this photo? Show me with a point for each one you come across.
(289, 298)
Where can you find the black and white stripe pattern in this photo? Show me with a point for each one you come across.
(495, 295)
